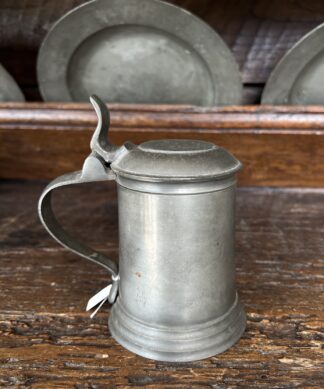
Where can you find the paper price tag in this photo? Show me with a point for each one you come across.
(100, 298)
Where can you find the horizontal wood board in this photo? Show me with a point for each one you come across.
(280, 146)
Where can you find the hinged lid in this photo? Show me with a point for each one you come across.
(176, 160)
(159, 160)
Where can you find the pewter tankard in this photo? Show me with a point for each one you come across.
(173, 294)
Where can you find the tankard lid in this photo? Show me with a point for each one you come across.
(176, 159)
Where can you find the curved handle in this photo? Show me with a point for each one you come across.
(95, 168)
(53, 227)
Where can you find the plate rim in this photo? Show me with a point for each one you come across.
(283, 77)
(55, 90)
(17, 93)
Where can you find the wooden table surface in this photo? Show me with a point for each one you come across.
(48, 340)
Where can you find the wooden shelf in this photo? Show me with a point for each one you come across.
(279, 146)
(49, 341)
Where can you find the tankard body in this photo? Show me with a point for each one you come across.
(173, 295)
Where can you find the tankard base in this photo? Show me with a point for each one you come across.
(178, 344)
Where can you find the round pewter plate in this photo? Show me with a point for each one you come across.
(298, 77)
(9, 90)
(143, 51)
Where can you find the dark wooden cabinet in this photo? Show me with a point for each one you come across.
(278, 146)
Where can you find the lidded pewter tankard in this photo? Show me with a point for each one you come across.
(173, 294)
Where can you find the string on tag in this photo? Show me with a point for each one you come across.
(93, 314)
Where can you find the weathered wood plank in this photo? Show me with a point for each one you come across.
(47, 340)
(279, 146)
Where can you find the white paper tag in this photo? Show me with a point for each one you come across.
(100, 298)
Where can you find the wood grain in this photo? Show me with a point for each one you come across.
(48, 341)
(259, 32)
(279, 146)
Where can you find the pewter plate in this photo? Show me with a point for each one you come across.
(9, 90)
(143, 51)
(298, 79)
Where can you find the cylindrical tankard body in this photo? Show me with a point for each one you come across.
(173, 295)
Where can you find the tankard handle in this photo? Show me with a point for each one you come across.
(95, 168)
